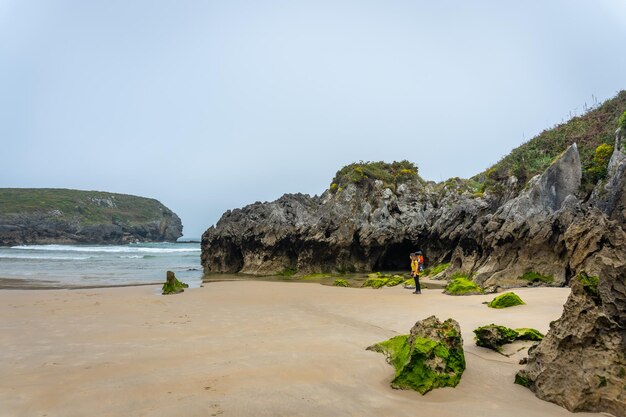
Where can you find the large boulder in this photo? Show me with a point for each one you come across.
(431, 356)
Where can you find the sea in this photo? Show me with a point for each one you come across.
(101, 265)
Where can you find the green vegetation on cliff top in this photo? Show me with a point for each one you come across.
(391, 174)
(589, 131)
(593, 132)
(87, 207)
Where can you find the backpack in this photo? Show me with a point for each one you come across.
(420, 262)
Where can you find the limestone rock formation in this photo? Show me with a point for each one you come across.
(431, 356)
(366, 227)
(581, 363)
(44, 216)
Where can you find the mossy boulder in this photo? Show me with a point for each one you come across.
(493, 336)
(508, 299)
(395, 280)
(435, 270)
(375, 282)
(462, 285)
(378, 279)
(431, 356)
(529, 334)
(341, 283)
(173, 285)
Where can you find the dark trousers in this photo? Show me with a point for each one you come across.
(417, 283)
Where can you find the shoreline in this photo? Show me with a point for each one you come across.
(35, 284)
(11, 283)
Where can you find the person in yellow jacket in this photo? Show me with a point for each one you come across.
(415, 270)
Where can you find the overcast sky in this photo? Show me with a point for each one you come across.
(212, 105)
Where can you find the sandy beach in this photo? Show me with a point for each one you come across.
(248, 349)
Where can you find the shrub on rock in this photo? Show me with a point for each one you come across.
(341, 283)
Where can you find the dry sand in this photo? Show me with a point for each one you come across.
(248, 349)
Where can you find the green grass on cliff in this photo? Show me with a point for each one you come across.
(391, 174)
(589, 131)
(87, 207)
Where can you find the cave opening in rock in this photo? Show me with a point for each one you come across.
(395, 256)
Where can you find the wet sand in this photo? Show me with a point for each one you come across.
(248, 349)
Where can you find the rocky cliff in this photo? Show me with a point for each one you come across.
(555, 226)
(42, 216)
(374, 214)
(581, 363)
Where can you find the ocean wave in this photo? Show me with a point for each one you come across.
(18, 256)
(104, 249)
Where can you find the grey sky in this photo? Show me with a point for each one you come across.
(208, 106)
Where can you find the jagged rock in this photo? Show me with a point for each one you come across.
(366, 227)
(581, 363)
(172, 285)
(522, 235)
(431, 356)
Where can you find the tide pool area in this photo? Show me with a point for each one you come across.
(101, 265)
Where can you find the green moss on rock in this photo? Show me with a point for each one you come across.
(535, 277)
(590, 284)
(508, 299)
(522, 379)
(172, 285)
(529, 334)
(375, 282)
(493, 336)
(461, 285)
(341, 283)
(287, 272)
(430, 357)
(436, 269)
(395, 280)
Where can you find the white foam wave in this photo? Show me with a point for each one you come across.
(104, 249)
(42, 257)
